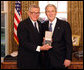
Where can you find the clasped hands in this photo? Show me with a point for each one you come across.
(45, 47)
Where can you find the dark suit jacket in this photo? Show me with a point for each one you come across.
(62, 43)
(29, 39)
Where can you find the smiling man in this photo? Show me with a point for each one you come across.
(30, 40)
(60, 55)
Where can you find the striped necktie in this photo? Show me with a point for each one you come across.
(50, 27)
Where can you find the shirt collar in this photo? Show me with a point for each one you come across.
(53, 22)
(33, 21)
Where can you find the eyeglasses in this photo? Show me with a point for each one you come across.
(50, 11)
(35, 13)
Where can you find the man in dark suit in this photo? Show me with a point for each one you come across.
(30, 40)
(60, 55)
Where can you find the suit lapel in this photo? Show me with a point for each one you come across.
(30, 24)
(47, 26)
(39, 26)
(56, 28)
(32, 27)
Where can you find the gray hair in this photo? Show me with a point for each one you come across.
(50, 5)
(33, 6)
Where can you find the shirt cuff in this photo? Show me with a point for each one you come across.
(38, 49)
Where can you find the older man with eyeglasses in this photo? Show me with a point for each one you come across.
(30, 40)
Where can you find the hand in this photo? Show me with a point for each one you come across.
(67, 62)
(45, 47)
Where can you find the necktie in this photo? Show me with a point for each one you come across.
(50, 27)
(35, 26)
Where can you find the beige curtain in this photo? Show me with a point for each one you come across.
(75, 18)
(12, 45)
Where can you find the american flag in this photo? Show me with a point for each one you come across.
(17, 19)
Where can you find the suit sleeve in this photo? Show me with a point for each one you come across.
(68, 40)
(24, 40)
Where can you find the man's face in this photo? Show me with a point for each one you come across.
(34, 13)
(51, 13)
